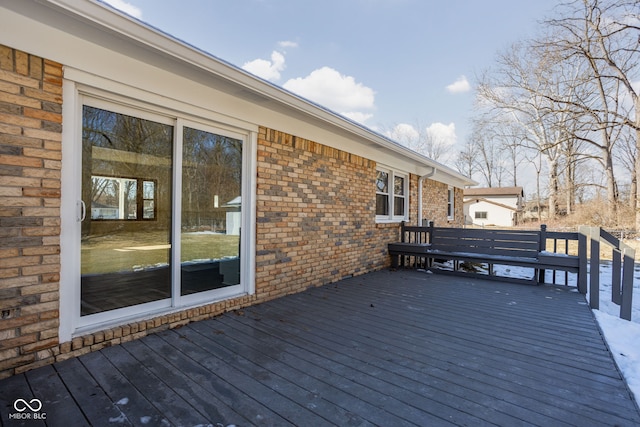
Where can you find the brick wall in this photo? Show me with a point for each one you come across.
(315, 215)
(434, 202)
(30, 155)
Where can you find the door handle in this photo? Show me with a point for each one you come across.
(83, 211)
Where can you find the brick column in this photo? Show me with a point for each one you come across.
(30, 159)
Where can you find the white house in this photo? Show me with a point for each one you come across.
(501, 206)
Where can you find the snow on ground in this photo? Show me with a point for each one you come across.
(622, 336)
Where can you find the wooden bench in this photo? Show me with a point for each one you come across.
(514, 247)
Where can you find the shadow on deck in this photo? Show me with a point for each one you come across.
(387, 348)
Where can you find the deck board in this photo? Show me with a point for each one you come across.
(387, 348)
(98, 408)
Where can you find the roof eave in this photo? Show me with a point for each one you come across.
(107, 18)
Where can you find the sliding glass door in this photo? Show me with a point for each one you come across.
(211, 211)
(147, 180)
(126, 194)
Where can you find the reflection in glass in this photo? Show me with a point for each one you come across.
(126, 186)
(382, 196)
(398, 191)
(211, 210)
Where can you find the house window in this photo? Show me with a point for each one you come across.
(391, 196)
(382, 194)
(450, 203)
(114, 198)
(398, 196)
(481, 215)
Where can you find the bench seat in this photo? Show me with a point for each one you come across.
(493, 247)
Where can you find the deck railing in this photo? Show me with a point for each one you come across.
(622, 266)
(568, 243)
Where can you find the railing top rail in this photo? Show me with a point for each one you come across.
(570, 235)
(616, 243)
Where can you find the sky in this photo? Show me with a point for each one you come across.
(399, 67)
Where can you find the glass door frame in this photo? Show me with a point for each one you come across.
(215, 294)
(72, 323)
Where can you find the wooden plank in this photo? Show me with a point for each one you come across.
(562, 235)
(627, 284)
(436, 404)
(12, 389)
(151, 352)
(308, 384)
(519, 235)
(594, 277)
(224, 364)
(57, 402)
(308, 354)
(173, 408)
(550, 261)
(87, 393)
(203, 367)
(417, 248)
(462, 244)
(134, 405)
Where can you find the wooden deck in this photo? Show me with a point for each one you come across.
(388, 348)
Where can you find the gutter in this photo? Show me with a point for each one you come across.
(103, 17)
(420, 181)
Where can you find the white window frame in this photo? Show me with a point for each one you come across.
(77, 94)
(392, 174)
(451, 203)
(478, 216)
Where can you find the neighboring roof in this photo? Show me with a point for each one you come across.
(99, 23)
(494, 191)
(234, 203)
(491, 202)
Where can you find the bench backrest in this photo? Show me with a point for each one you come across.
(510, 243)
(415, 234)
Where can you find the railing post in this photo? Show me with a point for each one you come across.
(582, 259)
(431, 226)
(616, 265)
(594, 265)
(627, 283)
(542, 246)
(403, 240)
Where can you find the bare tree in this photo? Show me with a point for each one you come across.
(603, 37)
(466, 161)
(488, 161)
(517, 92)
(423, 140)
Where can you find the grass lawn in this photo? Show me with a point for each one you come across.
(129, 251)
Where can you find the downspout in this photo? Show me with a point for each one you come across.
(420, 181)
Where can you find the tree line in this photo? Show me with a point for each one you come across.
(567, 104)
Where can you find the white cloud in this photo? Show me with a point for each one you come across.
(459, 86)
(335, 91)
(404, 133)
(444, 134)
(268, 70)
(126, 7)
(287, 44)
